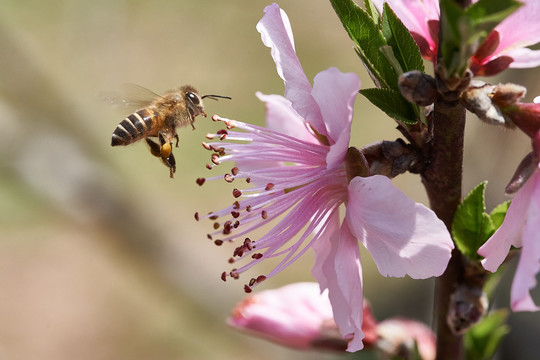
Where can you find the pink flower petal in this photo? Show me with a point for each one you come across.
(524, 57)
(529, 261)
(349, 278)
(294, 315)
(521, 28)
(496, 248)
(335, 93)
(276, 33)
(403, 237)
(337, 268)
(414, 14)
(281, 117)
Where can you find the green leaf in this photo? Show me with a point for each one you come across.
(486, 14)
(372, 11)
(498, 214)
(405, 49)
(464, 29)
(457, 30)
(472, 226)
(482, 340)
(365, 33)
(392, 103)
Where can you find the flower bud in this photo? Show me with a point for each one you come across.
(399, 338)
(418, 88)
(468, 304)
(477, 99)
(297, 316)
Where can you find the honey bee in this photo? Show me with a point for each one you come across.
(160, 118)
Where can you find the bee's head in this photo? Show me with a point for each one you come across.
(194, 101)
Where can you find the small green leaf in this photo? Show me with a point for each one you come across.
(498, 214)
(365, 33)
(472, 226)
(397, 35)
(372, 11)
(392, 103)
(482, 340)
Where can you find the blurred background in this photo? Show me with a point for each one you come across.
(100, 256)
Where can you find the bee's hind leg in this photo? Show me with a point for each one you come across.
(155, 148)
(171, 163)
(164, 152)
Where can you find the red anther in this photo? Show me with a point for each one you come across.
(200, 181)
(237, 193)
(206, 146)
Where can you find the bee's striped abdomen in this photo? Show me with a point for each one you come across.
(136, 126)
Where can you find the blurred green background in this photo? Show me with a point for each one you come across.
(100, 257)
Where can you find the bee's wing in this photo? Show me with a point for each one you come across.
(131, 97)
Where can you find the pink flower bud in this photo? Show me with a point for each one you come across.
(398, 337)
(526, 116)
(298, 316)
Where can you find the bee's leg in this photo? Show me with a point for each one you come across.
(162, 140)
(177, 139)
(155, 148)
(171, 163)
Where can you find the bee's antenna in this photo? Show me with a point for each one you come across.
(215, 97)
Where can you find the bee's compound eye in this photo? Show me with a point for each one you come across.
(193, 98)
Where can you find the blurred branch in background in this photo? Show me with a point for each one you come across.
(144, 300)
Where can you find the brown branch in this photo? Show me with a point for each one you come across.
(442, 180)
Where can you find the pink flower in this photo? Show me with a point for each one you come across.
(399, 337)
(505, 47)
(521, 229)
(296, 168)
(296, 315)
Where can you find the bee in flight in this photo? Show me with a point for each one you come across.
(159, 118)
